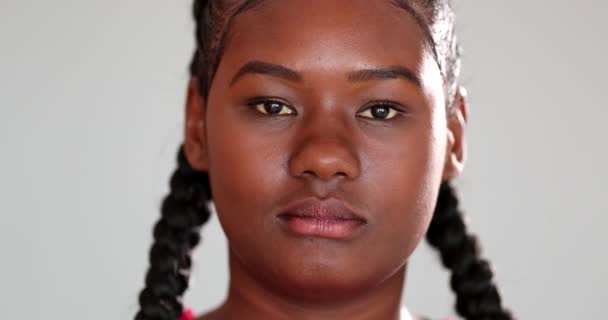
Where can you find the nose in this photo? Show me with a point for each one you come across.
(325, 151)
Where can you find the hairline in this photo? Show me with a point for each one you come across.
(248, 5)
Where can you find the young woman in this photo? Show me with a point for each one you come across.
(326, 133)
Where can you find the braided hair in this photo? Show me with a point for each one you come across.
(185, 209)
(177, 232)
(477, 296)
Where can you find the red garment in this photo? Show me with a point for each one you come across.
(187, 315)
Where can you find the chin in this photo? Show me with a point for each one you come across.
(322, 270)
(324, 284)
(317, 270)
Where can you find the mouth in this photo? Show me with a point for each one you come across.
(329, 218)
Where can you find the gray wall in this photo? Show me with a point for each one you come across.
(91, 96)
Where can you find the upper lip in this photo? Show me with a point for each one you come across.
(331, 208)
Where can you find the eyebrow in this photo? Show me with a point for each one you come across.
(384, 73)
(368, 74)
(271, 69)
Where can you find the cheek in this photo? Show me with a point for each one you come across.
(406, 181)
(243, 169)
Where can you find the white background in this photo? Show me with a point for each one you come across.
(91, 96)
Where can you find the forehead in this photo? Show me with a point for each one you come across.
(326, 34)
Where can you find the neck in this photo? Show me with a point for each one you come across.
(250, 298)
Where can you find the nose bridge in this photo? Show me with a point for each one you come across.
(325, 148)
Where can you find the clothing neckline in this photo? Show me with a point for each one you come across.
(404, 314)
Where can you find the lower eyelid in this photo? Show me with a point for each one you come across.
(254, 105)
(397, 112)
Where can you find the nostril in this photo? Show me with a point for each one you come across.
(312, 173)
(309, 173)
(324, 161)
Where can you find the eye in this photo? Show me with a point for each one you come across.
(272, 107)
(380, 111)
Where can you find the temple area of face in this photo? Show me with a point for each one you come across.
(367, 74)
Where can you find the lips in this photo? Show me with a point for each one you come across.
(330, 218)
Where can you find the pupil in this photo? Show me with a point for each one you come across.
(380, 112)
(273, 107)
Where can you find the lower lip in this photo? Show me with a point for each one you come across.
(323, 227)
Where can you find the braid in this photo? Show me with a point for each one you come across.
(477, 296)
(183, 212)
(198, 7)
(185, 209)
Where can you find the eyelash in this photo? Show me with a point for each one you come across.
(255, 103)
(394, 109)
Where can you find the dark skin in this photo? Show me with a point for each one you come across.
(381, 144)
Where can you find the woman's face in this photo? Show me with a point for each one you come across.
(331, 105)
